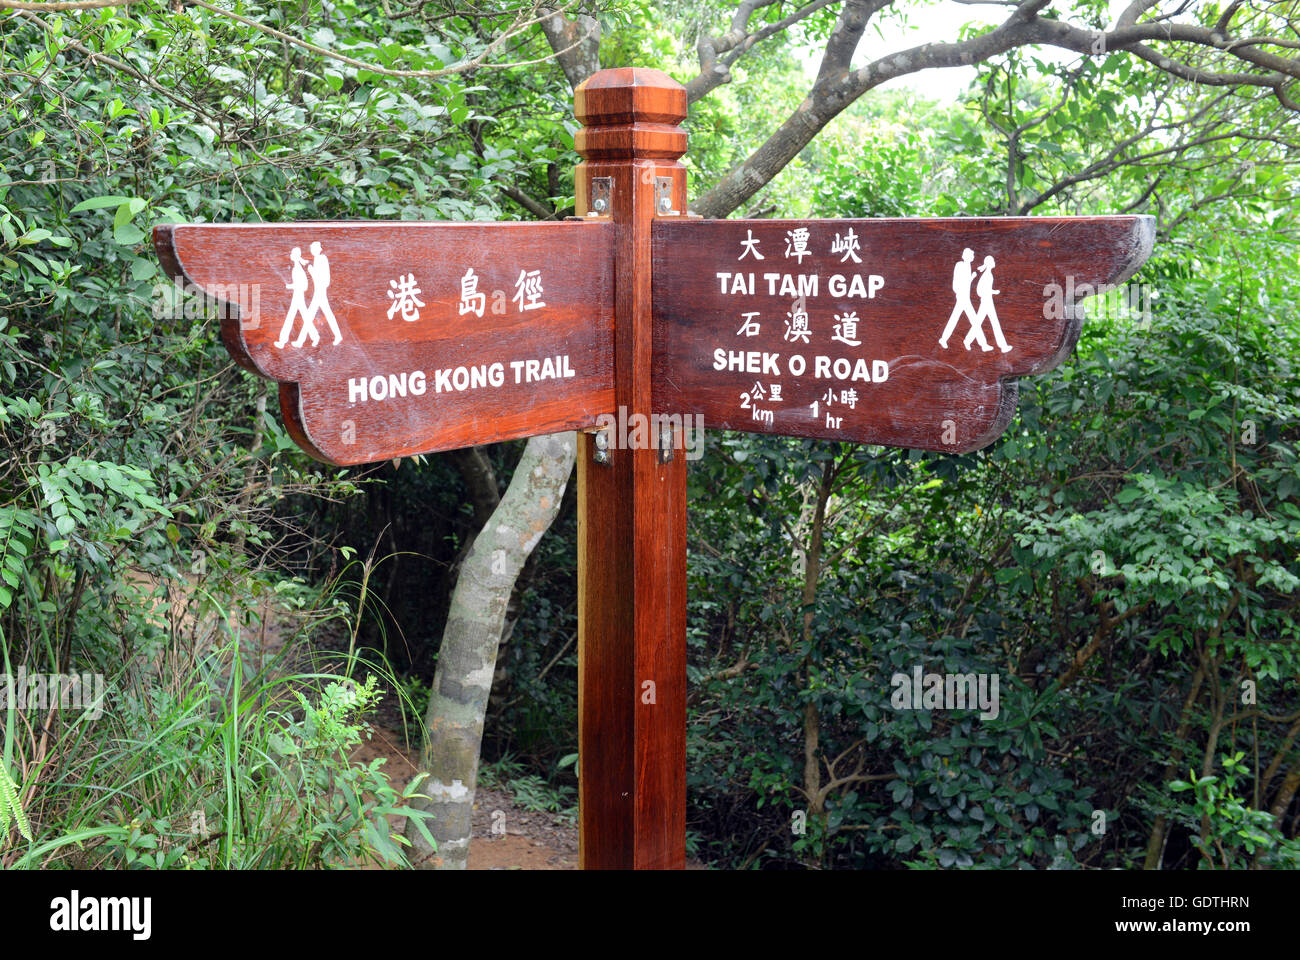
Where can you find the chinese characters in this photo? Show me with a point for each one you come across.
(405, 296)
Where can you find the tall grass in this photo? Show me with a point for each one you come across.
(213, 759)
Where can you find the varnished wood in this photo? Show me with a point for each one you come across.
(634, 301)
(954, 399)
(321, 411)
(632, 519)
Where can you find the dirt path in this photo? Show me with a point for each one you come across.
(504, 835)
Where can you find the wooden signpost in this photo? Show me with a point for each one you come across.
(842, 329)
(390, 339)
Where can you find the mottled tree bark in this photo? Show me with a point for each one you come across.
(476, 618)
(467, 658)
(812, 569)
(576, 43)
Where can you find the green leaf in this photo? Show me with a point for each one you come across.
(9, 804)
(128, 234)
(95, 203)
(127, 211)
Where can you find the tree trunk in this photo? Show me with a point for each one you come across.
(476, 617)
(812, 569)
(1156, 843)
(467, 658)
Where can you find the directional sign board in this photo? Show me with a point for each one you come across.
(395, 339)
(908, 333)
(390, 339)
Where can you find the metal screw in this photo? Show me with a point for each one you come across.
(601, 453)
(599, 205)
(665, 204)
(665, 444)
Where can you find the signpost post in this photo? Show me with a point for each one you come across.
(391, 339)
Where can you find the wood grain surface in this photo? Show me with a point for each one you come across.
(554, 362)
(632, 513)
(896, 386)
(641, 309)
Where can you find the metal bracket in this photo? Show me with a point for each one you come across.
(600, 454)
(602, 195)
(665, 443)
(664, 198)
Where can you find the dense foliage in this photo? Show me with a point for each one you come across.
(1123, 559)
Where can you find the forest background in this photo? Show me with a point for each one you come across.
(1123, 558)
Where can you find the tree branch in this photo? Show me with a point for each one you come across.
(715, 68)
(831, 95)
(576, 43)
(538, 209)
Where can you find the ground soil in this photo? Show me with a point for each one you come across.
(504, 835)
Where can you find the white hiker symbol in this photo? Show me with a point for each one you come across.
(961, 278)
(962, 275)
(320, 276)
(297, 305)
(319, 270)
(984, 287)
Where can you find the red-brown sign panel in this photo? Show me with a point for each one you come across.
(391, 339)
(908, 333)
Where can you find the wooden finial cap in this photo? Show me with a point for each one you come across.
(630, 113)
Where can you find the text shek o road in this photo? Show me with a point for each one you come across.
(907, 333)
